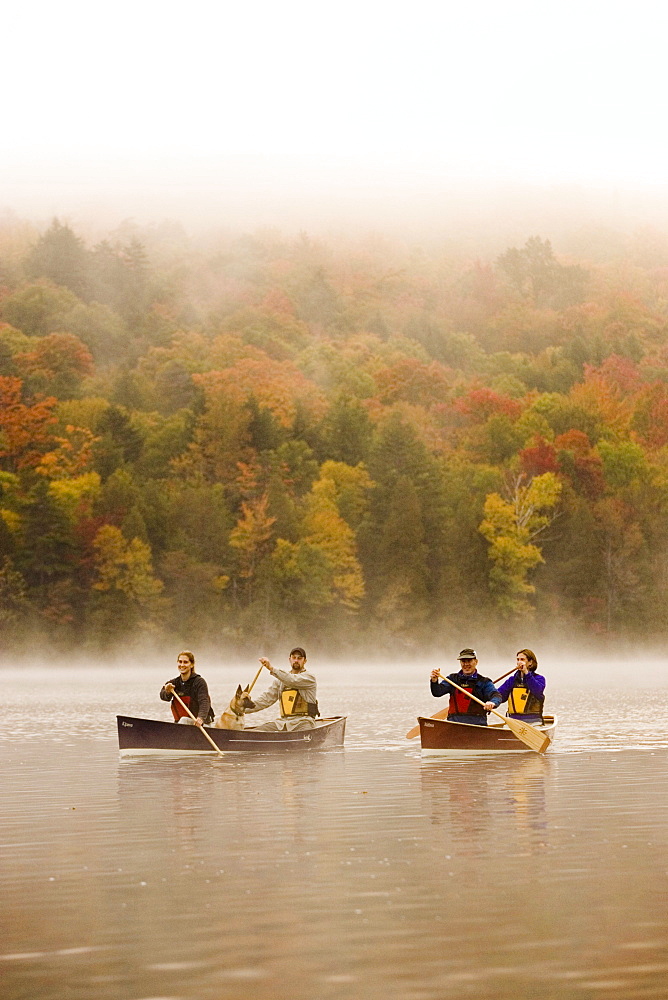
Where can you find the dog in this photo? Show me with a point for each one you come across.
(233, 716)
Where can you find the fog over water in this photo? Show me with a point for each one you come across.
(581, 664)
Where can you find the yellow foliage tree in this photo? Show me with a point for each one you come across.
(76, 496)
(321, 569)
(352, 487)
(251, 538)
(510, 527)
(325, 529)
(72, 456)
(125, 566)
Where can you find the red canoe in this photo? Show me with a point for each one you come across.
(442, 738)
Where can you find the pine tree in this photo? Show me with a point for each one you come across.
(61, 257)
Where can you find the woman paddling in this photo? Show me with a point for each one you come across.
(525, 690)
(192, 691)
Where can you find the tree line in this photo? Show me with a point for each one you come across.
(371, 443)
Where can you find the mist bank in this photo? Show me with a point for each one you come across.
(477, 210)
(573, 664)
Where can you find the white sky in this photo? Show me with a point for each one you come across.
(573, 91)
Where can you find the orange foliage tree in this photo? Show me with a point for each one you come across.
(60, 360)
(414, 381)
(24, 427)
(276, 385)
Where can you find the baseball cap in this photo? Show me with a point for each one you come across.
(468, 654)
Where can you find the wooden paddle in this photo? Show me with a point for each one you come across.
(443, 714)
(252, 683)
(532, 737)
(204, 732)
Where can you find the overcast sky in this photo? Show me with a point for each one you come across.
(146, 96)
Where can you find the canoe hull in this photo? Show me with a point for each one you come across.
(137, 737)
(440, 738)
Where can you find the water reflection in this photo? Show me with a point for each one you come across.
(471, 797)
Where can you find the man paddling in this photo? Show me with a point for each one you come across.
(461, 707)
(296, 692)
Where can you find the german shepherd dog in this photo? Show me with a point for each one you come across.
(233, 716)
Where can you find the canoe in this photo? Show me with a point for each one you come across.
(440, 738)
(150, 736)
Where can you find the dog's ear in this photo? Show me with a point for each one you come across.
(238, 690)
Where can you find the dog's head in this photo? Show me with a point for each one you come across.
(241, 701)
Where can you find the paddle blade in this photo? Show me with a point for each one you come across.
(534, 738)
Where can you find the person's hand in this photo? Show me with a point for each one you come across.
(265, 662)
(488, 706)
(169, 688)
(435, 675)
(199, 722)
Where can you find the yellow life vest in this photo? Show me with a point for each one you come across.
(293, 703)
(522, 702)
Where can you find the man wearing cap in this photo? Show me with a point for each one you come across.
(296, 692)
(461, 707)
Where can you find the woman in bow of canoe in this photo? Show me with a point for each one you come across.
(188, 689)
(461, 707)
(525, 690)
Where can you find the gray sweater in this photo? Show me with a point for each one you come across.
(285, 680)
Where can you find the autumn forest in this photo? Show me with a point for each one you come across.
(364, 442)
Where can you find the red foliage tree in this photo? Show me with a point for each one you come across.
(481, 403)
(539, 458)
(619, 373)
(579, 461)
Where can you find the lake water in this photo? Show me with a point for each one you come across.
(366, 873)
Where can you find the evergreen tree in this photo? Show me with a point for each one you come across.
(61, 257)
(347, 431)
(51, 553)
(402, 572)
(398, 454)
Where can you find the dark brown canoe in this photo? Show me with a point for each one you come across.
(149, 736)
(442, 738)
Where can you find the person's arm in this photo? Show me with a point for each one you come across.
(439, 686)
(490, 696)
(203, 700)
(269, 697)
(506, 688)
(535, 683)
(301, 681)
(167, 690)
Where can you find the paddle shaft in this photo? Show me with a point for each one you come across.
(252, 683)
(415, 731)
(204, 732)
